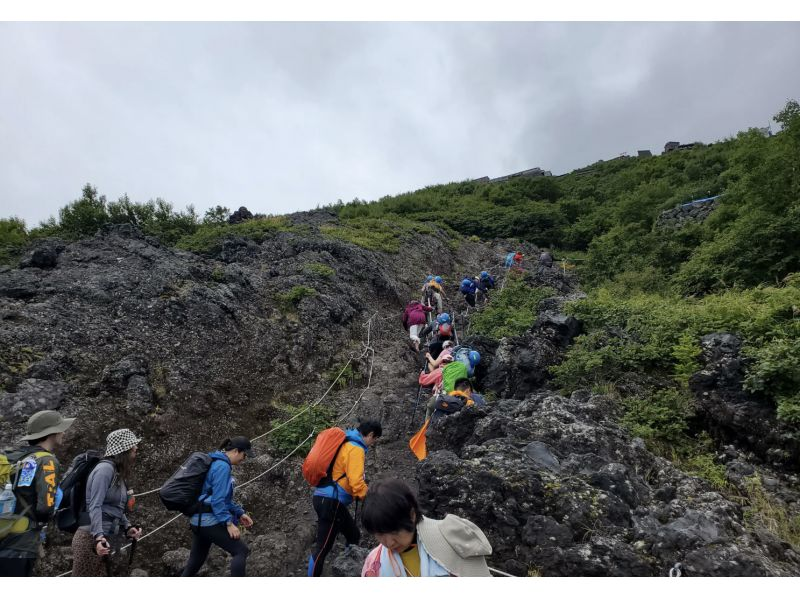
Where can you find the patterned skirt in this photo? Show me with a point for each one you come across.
(86, 563)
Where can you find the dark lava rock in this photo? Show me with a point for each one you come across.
(731, 413)
(32, 395)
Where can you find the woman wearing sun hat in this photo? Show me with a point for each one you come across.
(412, 545)
(107, 527)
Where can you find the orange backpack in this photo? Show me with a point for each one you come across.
(318, 465)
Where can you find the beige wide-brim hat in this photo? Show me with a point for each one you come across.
(120, 441)
(456, 544)
(44, 423)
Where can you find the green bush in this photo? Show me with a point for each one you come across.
(286, 438)
(376, 234)
(511, 312)
(13, 238)
(643, 334)
(208, 238)
(318, 269)
(288, 301)
(660, 418)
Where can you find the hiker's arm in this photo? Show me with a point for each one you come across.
(220, 478)
(46, 486)
(96, 488)
(355, 473)
(428, 379)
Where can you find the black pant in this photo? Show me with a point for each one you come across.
(17, 567)
(470, 299)
(204, 537)
(332, 518)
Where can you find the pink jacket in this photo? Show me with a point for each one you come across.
(433, 378)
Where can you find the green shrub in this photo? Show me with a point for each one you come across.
(763, 511)
(286, 438)
(377, 234)
(13, 238)
(288, 301)
(208, 239)
(319, 270)
(511, 311)
(660, 419)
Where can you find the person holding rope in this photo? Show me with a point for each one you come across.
(219, 516)
(411, 545)
(96, 544)
(345, 482)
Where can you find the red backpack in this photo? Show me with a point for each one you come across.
(445, 330)
(318, 465)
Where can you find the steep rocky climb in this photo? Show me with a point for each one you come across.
(119, 330)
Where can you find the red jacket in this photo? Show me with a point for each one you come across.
(433, 378)
(414, 314)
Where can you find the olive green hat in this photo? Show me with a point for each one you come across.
(44, 423)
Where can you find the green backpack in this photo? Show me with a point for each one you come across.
(452, 372)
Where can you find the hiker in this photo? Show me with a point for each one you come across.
(518, 260)
(456, 400)
(33, 474)
(345, 483)
(468, 289)
(442, 329)
(484, 284)
(412, 545)
(105, 528)
(437, 287)
(414, 321)
(218, 519)
(509, 259)
(444, 355)
(545, 259)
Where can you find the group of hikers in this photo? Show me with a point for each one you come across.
(93, 501)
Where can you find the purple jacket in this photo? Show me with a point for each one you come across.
(414, 314)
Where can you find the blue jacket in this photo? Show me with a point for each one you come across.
(347, 459)
(218, 492)
(486, 283)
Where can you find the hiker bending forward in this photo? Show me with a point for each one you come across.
(218, 519)
(332, 497)
(96, 544)
(412, 545)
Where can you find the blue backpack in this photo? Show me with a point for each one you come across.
(467, 286)
(510, 259)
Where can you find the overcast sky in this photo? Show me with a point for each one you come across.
(283, 117)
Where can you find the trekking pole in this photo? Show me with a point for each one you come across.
(416, 404)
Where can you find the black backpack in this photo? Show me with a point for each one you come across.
(73, 502)
(183, 490)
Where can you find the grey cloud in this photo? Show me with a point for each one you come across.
(285, 116)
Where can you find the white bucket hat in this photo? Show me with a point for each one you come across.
(120, 441)
(456, 544)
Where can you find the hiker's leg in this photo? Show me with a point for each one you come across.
(430, 407)
(236, 548)
(201, 543)
(85, 562)
(438, 297)
(347, 525)
(326, 509)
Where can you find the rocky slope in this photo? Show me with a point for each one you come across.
(119, 330)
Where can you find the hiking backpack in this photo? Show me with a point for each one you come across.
(11, 472)
(184, 489)
(444, 331)
(318, 465)
(461, 354)
(451, 373)
(73, 486)
(467, 286)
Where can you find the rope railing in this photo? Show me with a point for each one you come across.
(310, 406)
(368, 349)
